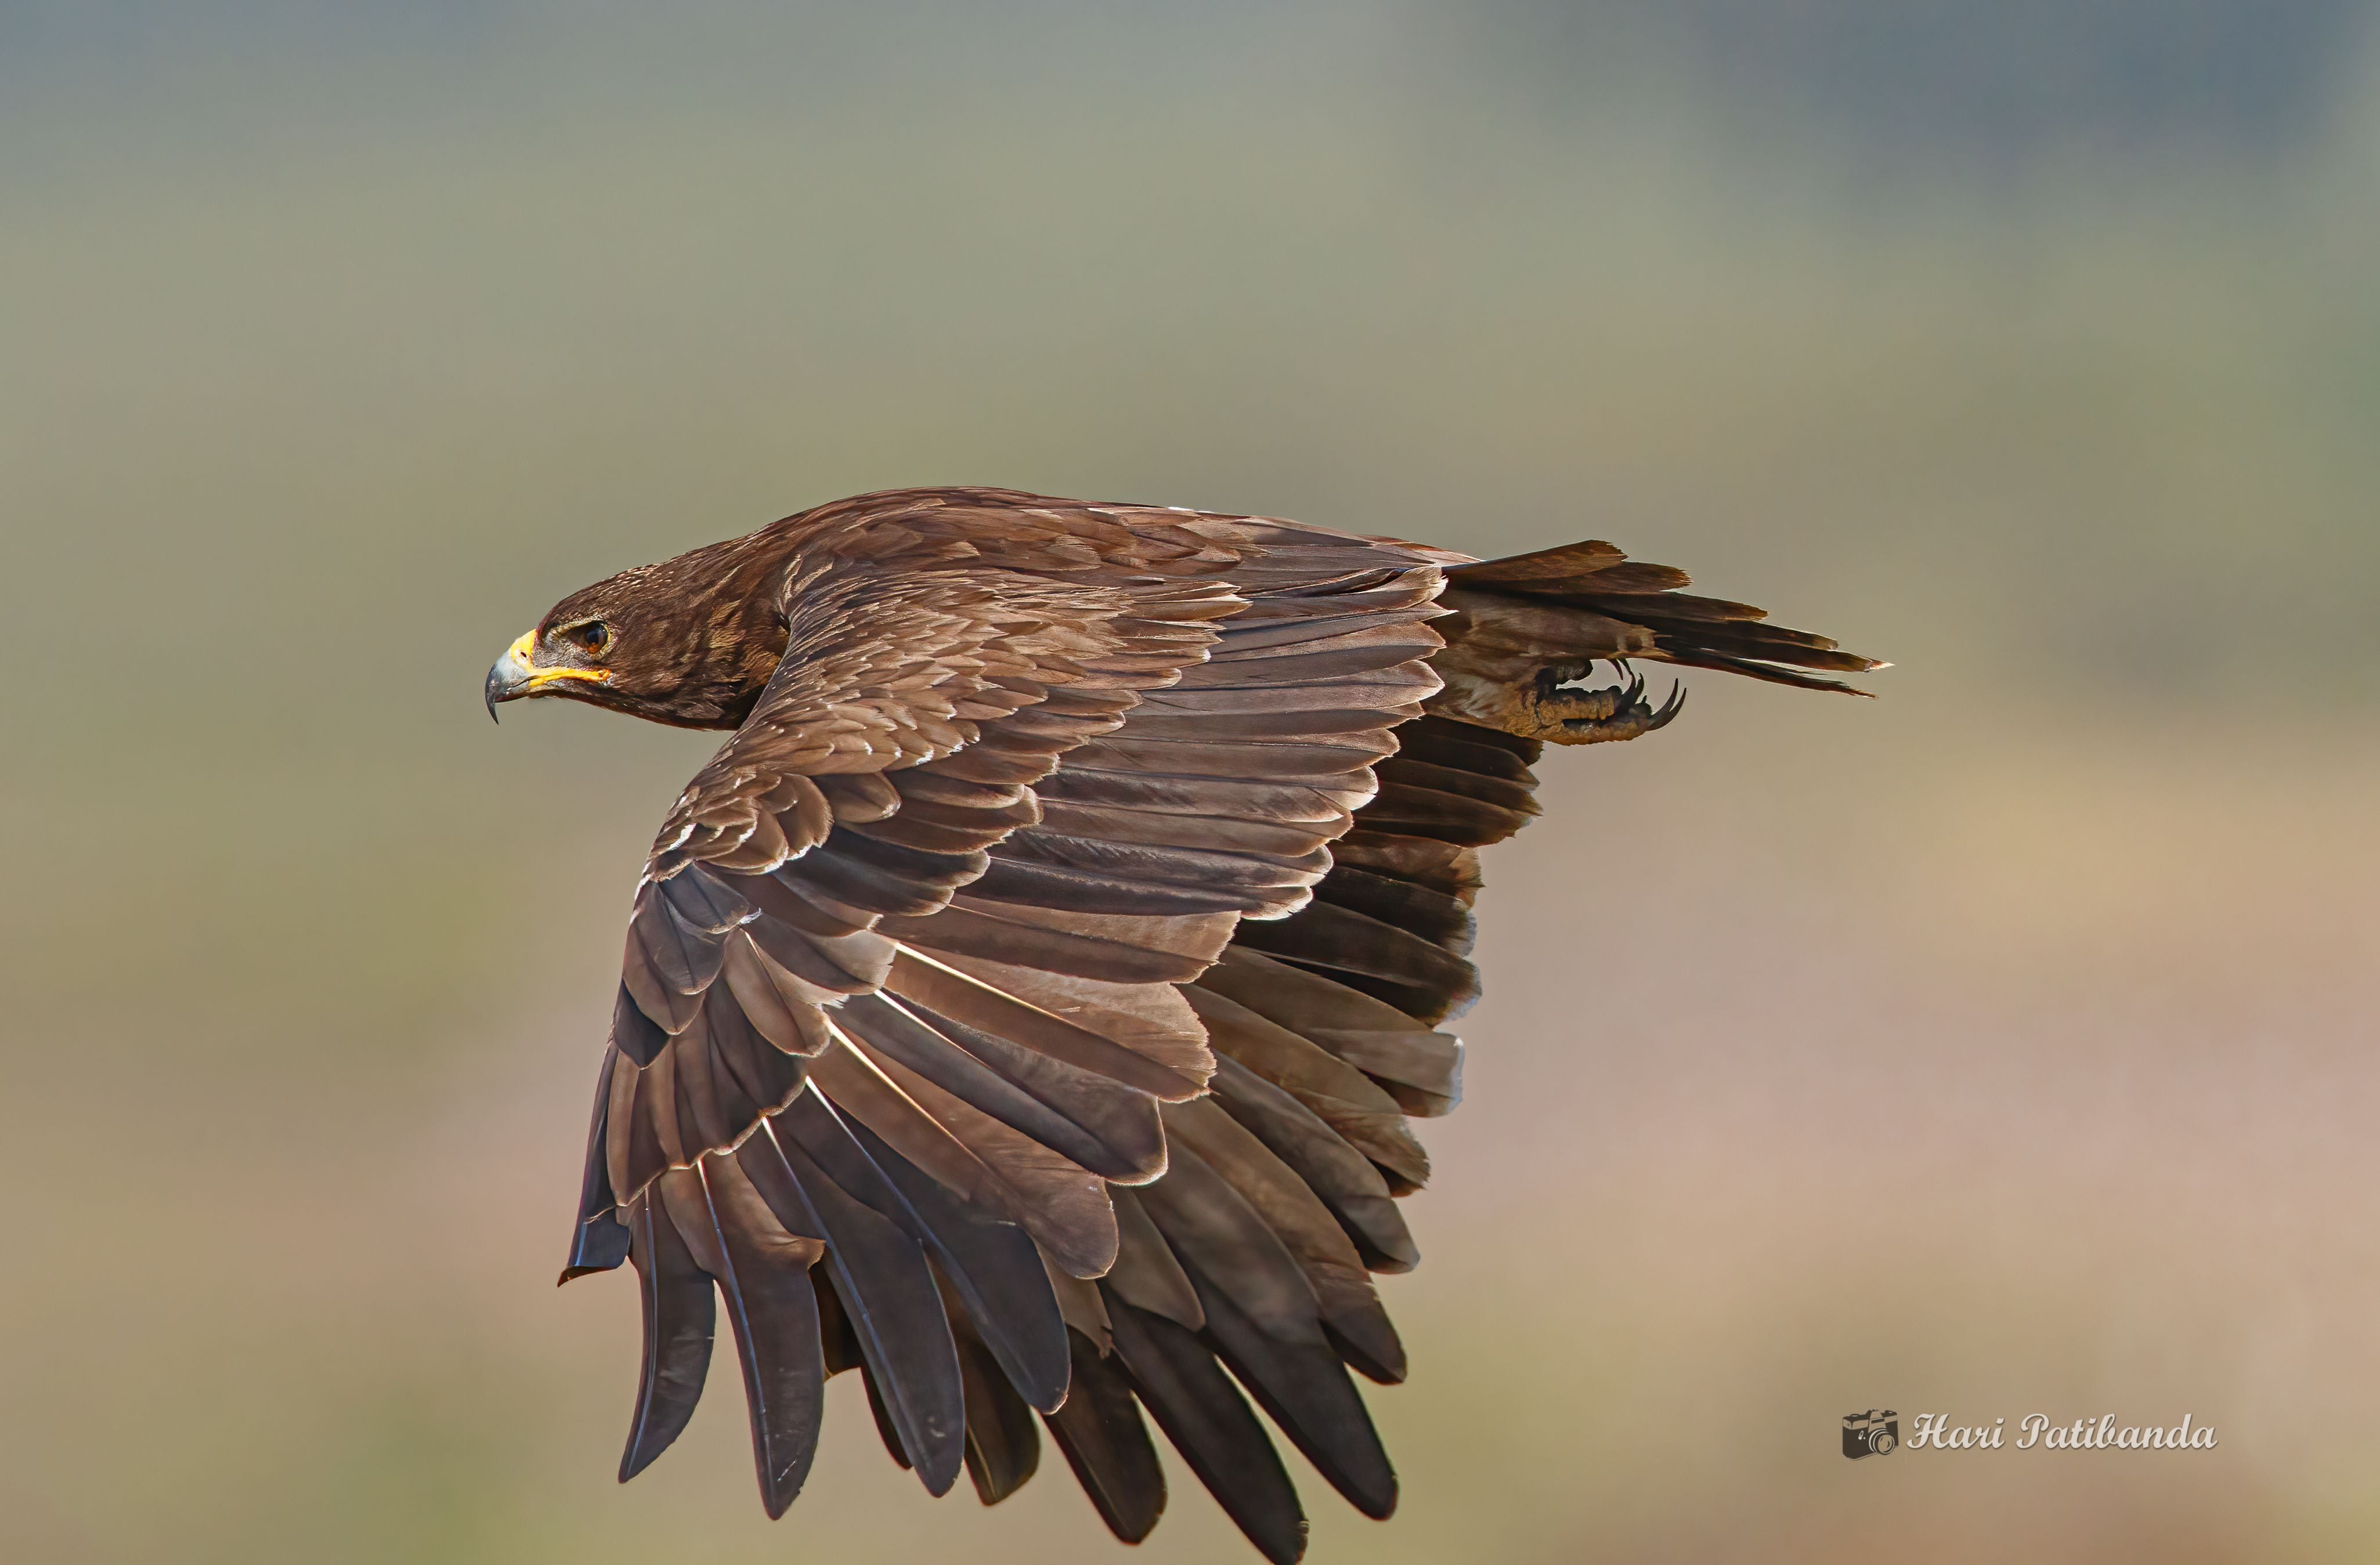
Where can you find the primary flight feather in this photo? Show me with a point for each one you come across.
(1026, 1006)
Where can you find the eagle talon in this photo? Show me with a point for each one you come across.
(1546, 700)
(1597, 717)
(1635, 685)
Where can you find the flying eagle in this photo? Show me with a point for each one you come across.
(1026, 1006)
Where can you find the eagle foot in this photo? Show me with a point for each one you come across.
(1552, 706)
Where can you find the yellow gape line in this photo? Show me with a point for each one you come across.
(519, 652)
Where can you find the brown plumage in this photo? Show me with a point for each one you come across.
(1026, 1006)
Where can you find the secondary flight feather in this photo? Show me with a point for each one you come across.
(1026, 1006)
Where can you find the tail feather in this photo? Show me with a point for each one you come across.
(1526, 626)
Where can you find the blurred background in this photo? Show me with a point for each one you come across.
(2002, 1045)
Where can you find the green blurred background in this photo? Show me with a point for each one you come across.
(2001, 1046)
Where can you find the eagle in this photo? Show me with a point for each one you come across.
(1027, 1005)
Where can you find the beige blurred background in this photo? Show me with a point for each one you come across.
(2001, 1046)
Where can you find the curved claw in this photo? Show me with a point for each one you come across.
(1550, 704)
(1602, 716)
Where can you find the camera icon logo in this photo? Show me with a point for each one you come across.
(1873, 1432)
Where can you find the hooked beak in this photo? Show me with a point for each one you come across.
(515, 675)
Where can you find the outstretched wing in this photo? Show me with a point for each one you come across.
(898, 1006)
(1246, 1267)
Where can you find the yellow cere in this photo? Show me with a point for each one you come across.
(519, 653)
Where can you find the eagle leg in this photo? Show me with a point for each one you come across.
(1531, 695)
(1552, 706)
(1516, 666)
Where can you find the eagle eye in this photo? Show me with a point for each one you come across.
(592, 636)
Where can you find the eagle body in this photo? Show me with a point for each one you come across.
(1026, 1005)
